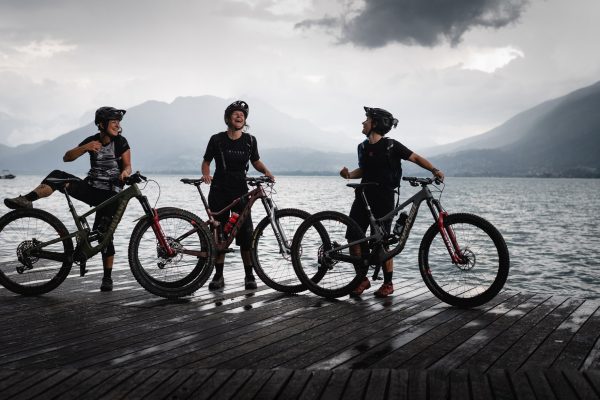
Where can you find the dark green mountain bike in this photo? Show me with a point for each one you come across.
(166, 256)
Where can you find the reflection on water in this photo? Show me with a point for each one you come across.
(549, 224)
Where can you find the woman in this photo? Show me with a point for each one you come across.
(110, 164)
(379, 161)
(233, 151)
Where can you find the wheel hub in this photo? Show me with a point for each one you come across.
(468, 260)
(166, 258)
(24, 257)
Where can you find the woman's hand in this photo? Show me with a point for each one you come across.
(207, 179)
(124, 175)
(344, 173)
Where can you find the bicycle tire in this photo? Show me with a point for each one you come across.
(32, 275)
(272, 267)
(323, 276)
(171, 277)
(470, 285)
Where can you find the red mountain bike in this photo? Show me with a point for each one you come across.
(271, 239)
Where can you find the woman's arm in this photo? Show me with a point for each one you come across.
(126, 168)
(206, 172)
(355, 174)
(78, 151)
(424, 163)
(262, 168)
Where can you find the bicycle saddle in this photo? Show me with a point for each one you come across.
(61, 182)
(192, 181)
(361, 185)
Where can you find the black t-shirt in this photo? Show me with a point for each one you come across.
(106, 164)
(375, 164)
(232, 158)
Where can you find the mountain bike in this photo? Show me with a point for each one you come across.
(463, 258)
(271, 239)
(37, 252)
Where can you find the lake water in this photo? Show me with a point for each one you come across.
(549, 224)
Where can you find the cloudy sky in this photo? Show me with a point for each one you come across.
(447, 69)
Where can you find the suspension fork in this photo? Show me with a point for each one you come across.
(271, 210)
(155, 224)
(446, 232)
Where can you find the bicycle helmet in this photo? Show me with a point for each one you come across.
(105, 114)
(238, 105)
(383, 119)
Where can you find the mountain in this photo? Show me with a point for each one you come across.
(558, 138)
(172, 137)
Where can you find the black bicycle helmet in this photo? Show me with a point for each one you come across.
(238, 105)
(384, 120)
(105, 114)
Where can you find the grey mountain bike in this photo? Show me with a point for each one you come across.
(463, 258)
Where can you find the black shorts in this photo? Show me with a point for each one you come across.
(218, 200)
(381, 203)
(92, 196)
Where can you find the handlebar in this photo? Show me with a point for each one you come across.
(251, 181)
(415, 181)
(135, 178)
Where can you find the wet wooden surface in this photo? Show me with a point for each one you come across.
(77, 342)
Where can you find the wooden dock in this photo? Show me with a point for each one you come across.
(79, 343)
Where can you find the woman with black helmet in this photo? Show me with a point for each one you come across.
(377, 158)
(110, 164)
(233, 151)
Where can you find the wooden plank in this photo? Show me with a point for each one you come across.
(254, 384)
(295, 384)
(398, 387)
(437, 384)
(457, 331)
(357, 384)
(501, 388)
(378, 384)
(459, 384)
(550, 349)
(487, 356)
(316, 385)
(494, 332)
(233, 385)
(91, 379)
(336, 385)
(192, 380)
(540, 384)
(560, 385)
(417, 384)
(480, 386)
(41, 389)
(107, 383)
(173, 383)
(30, 380)
(275, 384)
(580, 385)
(212, 384)
(521, 386)
(131, 384)
(520, 351)
(579, 352)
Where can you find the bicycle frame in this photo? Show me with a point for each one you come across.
(379, 235)
(84, 249)
(222, 243)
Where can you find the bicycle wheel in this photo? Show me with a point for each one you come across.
(324, 270)
(37, 271)
(480, 277)
(172, 276)
(272, 264)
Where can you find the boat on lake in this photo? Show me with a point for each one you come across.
(6, 174)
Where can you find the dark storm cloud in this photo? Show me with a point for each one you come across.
(419, 22)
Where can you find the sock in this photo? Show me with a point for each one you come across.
(387, 277)
(218, 271)
(107, 272)
(248, 270)
(32, 196)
